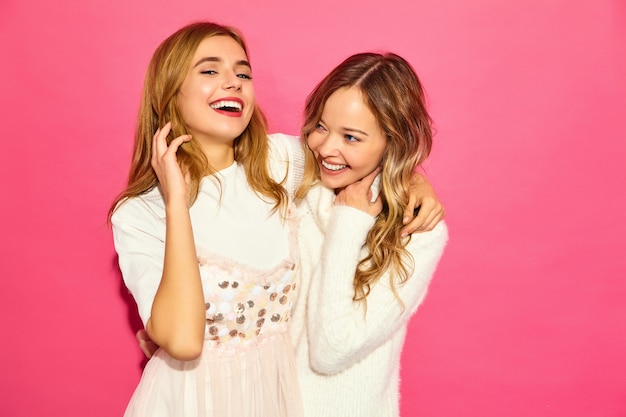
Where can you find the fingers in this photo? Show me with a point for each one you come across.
(143, 339)
(431, 212)
(368, 180)
(361, 187)
(409, 210)
(160, 148)
(359, 195)
(175, 144)
(147, 346)
(159, 144)
(422, 196)
(416, 223)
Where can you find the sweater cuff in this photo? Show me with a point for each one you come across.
(349, 226)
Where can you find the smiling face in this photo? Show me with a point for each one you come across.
(216, 99)
(348, 142)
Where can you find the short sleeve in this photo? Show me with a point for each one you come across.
(139, 238)
(286, 160)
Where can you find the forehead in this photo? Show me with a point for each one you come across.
(221, 46)
(347, 105)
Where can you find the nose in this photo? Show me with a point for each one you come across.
(232, 82)
(329, 146)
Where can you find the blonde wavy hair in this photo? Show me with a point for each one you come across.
(166, 72)
(394, 94)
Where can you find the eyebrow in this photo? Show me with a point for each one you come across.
(218, 59)
(349, 129)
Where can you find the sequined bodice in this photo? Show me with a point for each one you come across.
(241, 307)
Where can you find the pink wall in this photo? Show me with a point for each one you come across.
(527, 313)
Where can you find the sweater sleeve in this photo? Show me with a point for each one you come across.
(140, 243)
(342, 332)
(286, 161)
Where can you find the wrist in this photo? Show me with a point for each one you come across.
(175, 206)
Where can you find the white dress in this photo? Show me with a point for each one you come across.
(246, 255)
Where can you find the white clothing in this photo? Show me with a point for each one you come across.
(348, 360)
(246, 257)
(235, 225)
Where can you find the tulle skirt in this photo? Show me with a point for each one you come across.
(254, 380)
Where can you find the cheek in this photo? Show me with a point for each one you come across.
(250, 92)
(380, 154)
(312, 142)
(368, 160)
(205, 90)
(182, 108)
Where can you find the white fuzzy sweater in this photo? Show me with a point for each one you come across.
(348, 361)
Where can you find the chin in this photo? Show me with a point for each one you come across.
(328, 183)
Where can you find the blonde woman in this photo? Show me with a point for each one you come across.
(205, 235)
(360, 278)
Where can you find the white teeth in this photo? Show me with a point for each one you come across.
(226, 103)
(333, 167)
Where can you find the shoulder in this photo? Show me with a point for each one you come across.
(284, 140)
(286, 160)
(429, 244)
(284, 147)
(438, 234)
(145, 208)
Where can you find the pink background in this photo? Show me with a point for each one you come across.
(527, 313)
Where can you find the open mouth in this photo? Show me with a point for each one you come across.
(227, 106)
(332, 167)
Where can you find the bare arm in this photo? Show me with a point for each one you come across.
(177, 318)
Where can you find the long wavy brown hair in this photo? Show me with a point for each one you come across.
(166, 72)
(394, 94)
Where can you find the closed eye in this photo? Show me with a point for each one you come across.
(320, 128)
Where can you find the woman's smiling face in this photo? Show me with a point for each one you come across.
(216, 99)
(348, 142)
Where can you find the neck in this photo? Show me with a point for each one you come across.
(219, 155)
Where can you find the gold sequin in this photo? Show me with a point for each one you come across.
(262, 312)
(207, 306)
(213, 330)
(218, 317)
(223, 284)
(260, 322)
(275, 317)
(273, 296)
(282, 299)
(250, 303)
(239, 308)
(233, 333)
(287, 288)
(266, 286)
(235, 284)
(210, 321)
(241, 319)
